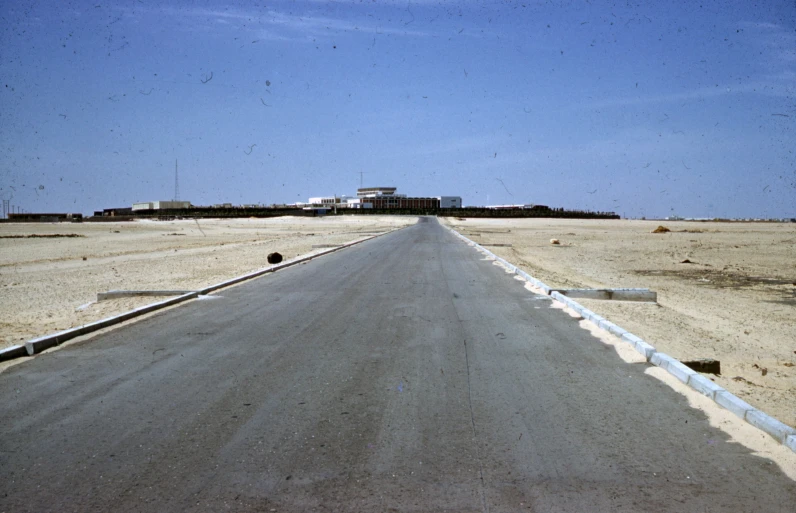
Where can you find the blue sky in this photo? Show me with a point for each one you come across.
(683, 108)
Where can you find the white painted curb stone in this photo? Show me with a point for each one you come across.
(612, 328)
(770, 425)
(639, 345)
(733, 403)
(704, 386)
(675, 368)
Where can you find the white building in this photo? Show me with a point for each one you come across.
(161, 205)
(526, 206)
(385, 197)
(377, 192)
(340, 201)
(450, 201)
(358, 203)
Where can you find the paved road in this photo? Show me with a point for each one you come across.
(404, 374)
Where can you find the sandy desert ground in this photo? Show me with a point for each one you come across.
(51, 284)
(734, 302)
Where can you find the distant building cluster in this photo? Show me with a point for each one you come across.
(382, 198)
(525, 206)
(368, 200)
(160, 205)
(378, 198)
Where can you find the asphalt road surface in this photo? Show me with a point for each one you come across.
(404, 374)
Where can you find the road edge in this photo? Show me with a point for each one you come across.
(784, 434)
(39, 344)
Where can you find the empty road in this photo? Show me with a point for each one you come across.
(404, 374)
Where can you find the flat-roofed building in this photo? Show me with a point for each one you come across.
(358, 203)
(340, 201)
(374, 192)
(161, 205)
(403, 202)
(450, 201)
(386, 198)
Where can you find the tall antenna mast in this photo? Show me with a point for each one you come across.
(176, 182)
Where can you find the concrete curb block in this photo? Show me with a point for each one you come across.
(733, 403)
(594, 318)
(675, 368)
(612, 328)
(117, 294)
(533, 281)
(770, 425)
(639, 345)
(704, 386)
(568, 302)
(37, 345)
(12, 352)
(621, 294)
(779, 430)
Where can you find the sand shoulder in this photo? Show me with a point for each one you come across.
(51, 284)
(734, 302)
